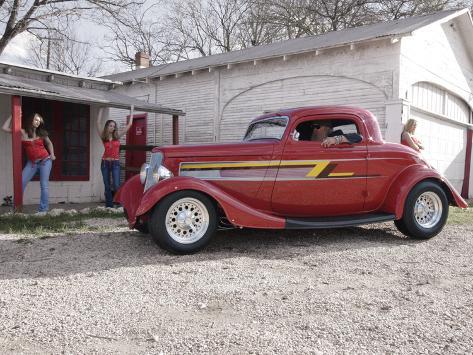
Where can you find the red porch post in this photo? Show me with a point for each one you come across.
(16, 150)
(466, 175)
(175, 129)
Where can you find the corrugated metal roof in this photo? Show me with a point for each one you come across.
(16, 85)
(29, 68)
(397, 28)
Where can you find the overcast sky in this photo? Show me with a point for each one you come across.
(17, 50)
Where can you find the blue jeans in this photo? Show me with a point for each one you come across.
(110, 167)
(30, 169)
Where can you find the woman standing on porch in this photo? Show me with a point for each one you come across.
(40, 153)
(110, 165)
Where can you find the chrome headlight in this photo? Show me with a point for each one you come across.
(161, 174)
(143, 172)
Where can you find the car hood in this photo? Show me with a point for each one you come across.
(253, 148)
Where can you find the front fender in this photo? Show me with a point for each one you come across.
(238, 213)
(129, 196)
(407, 179)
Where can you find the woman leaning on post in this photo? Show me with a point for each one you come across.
(40, 153)
(110, 165)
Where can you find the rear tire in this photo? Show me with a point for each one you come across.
(183, 222)
(425, 211)
(401, 227)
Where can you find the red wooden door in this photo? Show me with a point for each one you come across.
(136, 136)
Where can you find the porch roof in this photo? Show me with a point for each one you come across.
(83, 92)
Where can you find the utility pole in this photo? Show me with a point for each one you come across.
(48, 52)
(48, 49)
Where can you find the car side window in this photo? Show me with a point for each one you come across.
(346, 127)
(307, 130)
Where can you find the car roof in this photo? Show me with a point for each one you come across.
(298, 111)
(366, 116)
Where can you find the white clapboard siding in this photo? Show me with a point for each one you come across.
(195, 95)
(296, 92)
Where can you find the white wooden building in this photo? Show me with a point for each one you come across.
(419, 67)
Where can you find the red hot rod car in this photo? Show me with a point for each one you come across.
(279, 177)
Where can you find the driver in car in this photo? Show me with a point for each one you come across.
(323, 133)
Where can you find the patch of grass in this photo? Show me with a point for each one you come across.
(44, 225)
(460, 216)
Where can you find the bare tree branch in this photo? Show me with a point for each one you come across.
(63, 52)
(19, 16)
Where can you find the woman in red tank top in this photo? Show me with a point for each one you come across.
(40, 153)
(110, 165)
(408, 138)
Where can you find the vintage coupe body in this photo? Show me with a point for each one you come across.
(278, 177)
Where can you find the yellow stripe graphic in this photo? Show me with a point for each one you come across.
(318, 168)
(247, 164)
(340, 174)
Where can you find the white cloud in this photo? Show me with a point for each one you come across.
(17, 50)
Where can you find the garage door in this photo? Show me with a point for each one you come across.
(445, 145)
(441, 116)
(296, 92)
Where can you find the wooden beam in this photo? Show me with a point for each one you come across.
(16, 149)
(175, 129)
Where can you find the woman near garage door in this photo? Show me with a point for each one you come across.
(408, 138)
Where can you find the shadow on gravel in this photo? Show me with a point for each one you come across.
(94, 253)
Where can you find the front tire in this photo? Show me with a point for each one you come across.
(183, 222)
(425, 211)
(142, 228)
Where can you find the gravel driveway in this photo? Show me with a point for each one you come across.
(352, 290)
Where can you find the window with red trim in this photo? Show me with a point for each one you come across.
(68, 126)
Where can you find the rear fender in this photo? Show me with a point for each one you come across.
(407, 179)
(238, 213)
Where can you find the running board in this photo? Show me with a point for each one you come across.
(337, 222)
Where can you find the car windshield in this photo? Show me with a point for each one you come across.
(268, 128)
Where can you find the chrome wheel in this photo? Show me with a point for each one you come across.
(425, 211)
(428, 209)
(187, 220)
